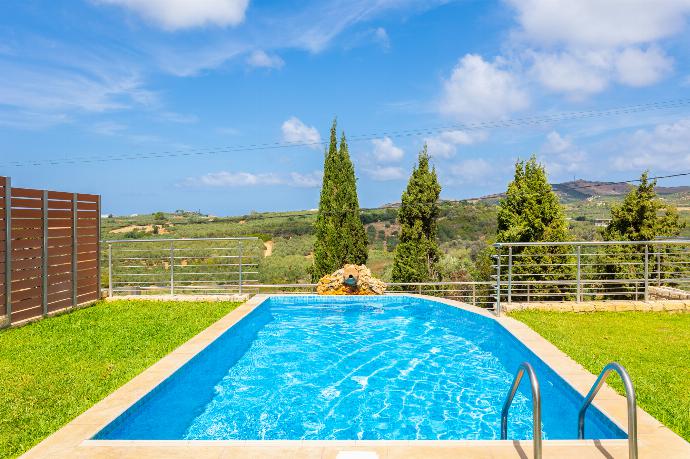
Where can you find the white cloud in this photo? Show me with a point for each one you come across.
(473, 171)
(559, 155)
(225, 179)
(86, 84)
(445, 145)
(478, 90)
(663, 148)
(599, 24)
(636, 67)
(386, 151)
(382, 174)
(311, 180)
(184, 14)
(381, 37)
(295, 131)
(578, 74)
(109, 128)
(580, 47)
(260, 58)
(582, 73)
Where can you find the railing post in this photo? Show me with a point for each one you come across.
(646, 272)
(510, 274)
(474, 294)
(658, 267)
(172, 267)
(240, 269)
(110, 270)
(44, 254)
(75, 221)
(8, 250)
(498, 283)
(579, 275)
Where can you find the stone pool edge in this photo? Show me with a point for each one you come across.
(74, 439)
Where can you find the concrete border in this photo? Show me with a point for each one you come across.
(74, 439)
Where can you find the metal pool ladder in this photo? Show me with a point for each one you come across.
(536, 406)
(629, 395)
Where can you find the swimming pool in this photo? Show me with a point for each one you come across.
(350, 368)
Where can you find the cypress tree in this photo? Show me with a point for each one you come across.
(531, 212)
(340, 234)
(417, 254)
(642, 216)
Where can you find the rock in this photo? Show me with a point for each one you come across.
(351, 280)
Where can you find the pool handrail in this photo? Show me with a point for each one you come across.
(525, 367)
(631, 402)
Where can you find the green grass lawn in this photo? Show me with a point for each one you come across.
(54, 369)
(653, 347)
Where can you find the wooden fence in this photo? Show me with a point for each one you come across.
(49, 251)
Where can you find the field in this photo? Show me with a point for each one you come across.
(465, 229)
(653, 347)
(53, 370)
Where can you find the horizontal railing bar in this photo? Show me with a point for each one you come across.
(186, 239)
(591, 243)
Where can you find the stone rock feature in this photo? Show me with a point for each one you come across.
(351, 280)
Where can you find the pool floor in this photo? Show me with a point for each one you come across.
(359, 368)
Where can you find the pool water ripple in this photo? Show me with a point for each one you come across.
(367, 369)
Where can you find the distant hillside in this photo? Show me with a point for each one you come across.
(582, 189)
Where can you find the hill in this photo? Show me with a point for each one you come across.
(579, 190)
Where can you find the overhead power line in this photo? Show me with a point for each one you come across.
(525, 121)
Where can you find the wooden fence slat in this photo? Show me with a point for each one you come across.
(55, 214)
(55, 289)
(59, 305)
(60, 241)
(87, 206)
(59, 205)
(26, 223)
(87, 197)
(26, 213)
(28, 273)
(26, 254)
(62, 195)
(26, 193)
(62, 250)
(59, 232)
(59, 269)
(58, 278)
(25, 303)
(25, 244)
(27, 233)
(26, 203)
(26, 314)
(25, 264)
(59, 223)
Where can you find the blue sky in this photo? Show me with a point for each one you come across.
(127, 78)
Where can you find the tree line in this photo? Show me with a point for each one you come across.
(530, 211)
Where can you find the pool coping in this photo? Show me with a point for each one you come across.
(74, 439)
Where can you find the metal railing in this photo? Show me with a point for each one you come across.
(474, 293)
(630, 398)
(536, 406)
(593, 270)
(183, 265)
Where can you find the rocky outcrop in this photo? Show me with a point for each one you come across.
(351, 280)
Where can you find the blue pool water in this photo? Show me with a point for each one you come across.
(348, 368)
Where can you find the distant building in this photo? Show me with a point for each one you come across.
(602, 222)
